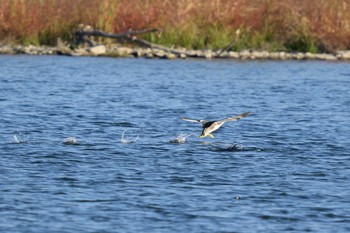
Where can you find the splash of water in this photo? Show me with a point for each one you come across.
(127, 140)
(181, 138)
(20, 138)
(70, 141)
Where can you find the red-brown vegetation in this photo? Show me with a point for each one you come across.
(298, 25)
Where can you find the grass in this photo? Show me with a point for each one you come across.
(275, 25)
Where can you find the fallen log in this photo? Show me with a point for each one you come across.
(85, 34)
(82, 36)
(156, 46)
(123, 35)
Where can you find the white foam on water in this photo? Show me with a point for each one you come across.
(181, 138)
(70, 141)
(128, 139)
(15, 139)
(20, 138)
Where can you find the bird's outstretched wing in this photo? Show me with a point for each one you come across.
(192, 120)
(235, 118)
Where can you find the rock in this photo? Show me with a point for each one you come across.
(170, 56)
(29, 50)
(62, 48)
(199, 54)
(255, 55)
(80, 52)
(138, 52)
(117, 51)
(282, 55)
(299, 56)
(220, 54)
(208, 54)
(289, 56)
(159, 53)
(183, 56)
(232, 54)
(330, 57)
(245, 54)
(309, 55)
(192, 53)
(124, 51)
(259, 55)
(149, 55)
(98, 50)
(274, 55)
(344, 54)
(325, 56)
(319, 56)
(6, 50)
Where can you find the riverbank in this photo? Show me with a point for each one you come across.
(122, 51)
(290, 25)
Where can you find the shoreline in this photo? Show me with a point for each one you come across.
(122, 51)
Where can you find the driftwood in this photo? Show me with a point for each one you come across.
(86, 33)
(156, 46)
(84, 36)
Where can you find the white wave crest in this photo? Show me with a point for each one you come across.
(70, 141)
(20, 138)
(128, 139)
(181, 138)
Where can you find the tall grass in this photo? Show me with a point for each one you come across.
(294, 25)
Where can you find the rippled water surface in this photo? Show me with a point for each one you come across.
(97, 145)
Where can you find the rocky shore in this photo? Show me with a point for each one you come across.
(121, 51)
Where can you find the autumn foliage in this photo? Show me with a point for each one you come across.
(294, 25)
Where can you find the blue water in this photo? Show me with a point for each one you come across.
(86, 145)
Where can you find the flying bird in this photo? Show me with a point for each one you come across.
(211, 126)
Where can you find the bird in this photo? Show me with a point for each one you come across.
(210, 126)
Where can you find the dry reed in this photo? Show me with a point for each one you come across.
(294, 25)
